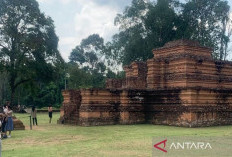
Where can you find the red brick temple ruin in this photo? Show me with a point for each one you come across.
(181, 86)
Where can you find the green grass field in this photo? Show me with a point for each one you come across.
(54, 140)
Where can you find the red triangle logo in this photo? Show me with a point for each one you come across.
(162, 142)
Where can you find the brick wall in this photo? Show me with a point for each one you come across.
(182, 86)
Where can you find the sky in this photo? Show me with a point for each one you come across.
(77, 19)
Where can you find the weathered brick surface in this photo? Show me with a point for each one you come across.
(69, 113)
(114, 83)
(182, 86)
(18, 124)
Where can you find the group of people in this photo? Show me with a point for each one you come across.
(6, 122)
(34, 114)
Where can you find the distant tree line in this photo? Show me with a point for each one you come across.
(32, 72)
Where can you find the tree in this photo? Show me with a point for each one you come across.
(79, 78)
(89, 65)
(223, 10)
(143, 26)
(89, 54)
(130, 44)
(228, 32)
(4, 89)
(28, 43)
(207, 22)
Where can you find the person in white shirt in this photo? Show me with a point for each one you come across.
(5, 110)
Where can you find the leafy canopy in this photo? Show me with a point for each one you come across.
(146, 25)
(28, 43)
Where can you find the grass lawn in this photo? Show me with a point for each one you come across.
(53, 140)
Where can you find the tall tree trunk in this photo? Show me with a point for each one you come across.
(12, 97)
(222, 42)
(225, 51)
(13, 76)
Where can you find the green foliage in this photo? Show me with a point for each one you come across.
(206, 23)
(28, 43)
(4, 88)
(40, 95)
(32, 70)
(145, 25)
(161, 24)
(47, 95)
(88, 54)
(88, 65)
(83, 77)
(79, 78)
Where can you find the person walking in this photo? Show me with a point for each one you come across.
(50, 113)
(9, 124)
(34, 115)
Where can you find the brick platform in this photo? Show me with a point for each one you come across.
(182, 86)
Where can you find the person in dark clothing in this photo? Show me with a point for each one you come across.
(50, 113)
(4, 121)
(3, 127)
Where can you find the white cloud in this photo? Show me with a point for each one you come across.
(70, 41)
(91, 18)
(66, 44)
(77, 19)
(55, 1)
(45, 1)
(94, 18)
(65, 1)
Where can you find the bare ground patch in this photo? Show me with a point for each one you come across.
(33, 141)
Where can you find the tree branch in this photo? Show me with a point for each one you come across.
(3, 46)
(21, 82)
